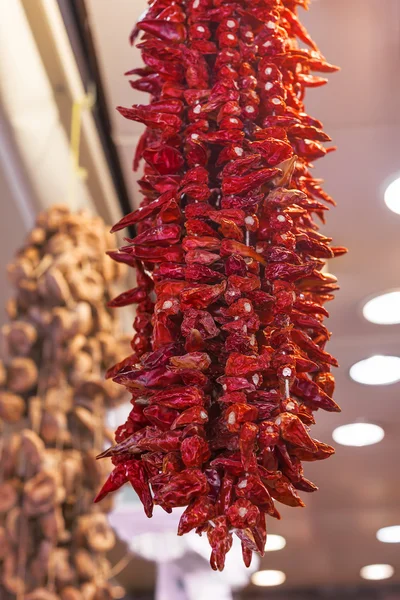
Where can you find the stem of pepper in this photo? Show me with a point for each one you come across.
(142, 401)
(287, 389)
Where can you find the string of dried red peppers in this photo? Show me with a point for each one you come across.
(229, 362)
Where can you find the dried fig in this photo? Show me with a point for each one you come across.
(88, 591)
(20, 336)
(72, 473)
(9, 456)
(64, 324)
(118, 592)
(53, 219)
(21, 269)
(8, 496)
(59, 243)
(39, 494)
(84, 419)
(83, 311)
(52, 525)
(11, 581)
(103, 592)
(71, 593)
(32, 451)
(85, 565)
(63, 570)
(12, 407)
(40, 317)
(97, 532)
(81, 367)
(53, 423)
(74, 346)
(88, 286)
(95, 470)
(22, 375)
(57, 399)
(37, 236)
(39, 566)
(104, 321)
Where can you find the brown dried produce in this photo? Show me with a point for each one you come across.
(22, 375)
(54, 287)
(60, 564)
(72, 474)
(55, 398)
(21, 269)
(35, 409)
(71, 593)
(9, 456)
(41, 594)
(20, 337)
(39, 494)
(52, 525)
(85, 564)
(31, 453)
(64, 324)
(12, 407)
(3, 374)
(8, 496)
(88, 591)
(59, 399)
(37, 236)
(10, 579)
(87, 286)
(52, 425)
(13, 524)
(39, 566)
(82, 366)
(96, 532)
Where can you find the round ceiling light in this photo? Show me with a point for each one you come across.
(274, 543)
(377, 572)
(268, 578)
(377, 370)
(358, 434)
(383, 309)
(392, 196)
(389, 535)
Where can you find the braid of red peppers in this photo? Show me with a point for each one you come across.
(223, 402)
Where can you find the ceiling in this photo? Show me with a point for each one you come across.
(330, 540)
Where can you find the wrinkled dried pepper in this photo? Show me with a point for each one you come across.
(229, 361)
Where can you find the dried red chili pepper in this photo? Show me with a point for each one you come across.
(230, 288)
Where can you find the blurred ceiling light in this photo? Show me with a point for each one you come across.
(377, 370)
(268, 578)
(389, 535)
(377, 572)
(274, 543)
(392, 196)
(383, 309)
(358, 434)
(162, 546)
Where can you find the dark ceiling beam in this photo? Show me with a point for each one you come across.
(77, 24)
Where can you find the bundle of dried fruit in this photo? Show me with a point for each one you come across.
(57, 345)
(229, 360)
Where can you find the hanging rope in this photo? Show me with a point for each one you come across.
(77, 172)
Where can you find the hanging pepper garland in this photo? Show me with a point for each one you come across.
(229, 362)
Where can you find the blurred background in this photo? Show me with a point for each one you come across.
(52, 55)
